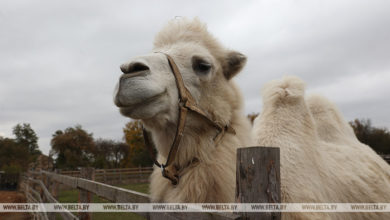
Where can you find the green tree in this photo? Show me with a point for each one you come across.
(102, 154)
(27, 137)
(377, 138)
(138, 155)
(110, 153)
(74, 147)
(14, 157)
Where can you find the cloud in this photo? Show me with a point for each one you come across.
(60, 60)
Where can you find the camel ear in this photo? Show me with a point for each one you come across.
(234, 62)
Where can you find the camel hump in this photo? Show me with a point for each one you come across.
(331, 125)
(288, 88)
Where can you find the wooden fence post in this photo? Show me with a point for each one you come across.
(55, 185)
(139, 174)
(84, 195)
(258, 179)
(47, 182)
(40, 177)
(49, 187)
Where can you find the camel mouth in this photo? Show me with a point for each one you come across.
(146, 101)
(128, 110)
(134, 89)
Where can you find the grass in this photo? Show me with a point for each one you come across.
(139, 187)
(72, 196)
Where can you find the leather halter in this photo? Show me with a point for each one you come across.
(186, 103)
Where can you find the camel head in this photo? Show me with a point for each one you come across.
(147, 89)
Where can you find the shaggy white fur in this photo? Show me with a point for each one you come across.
(148, 91)
(213, 179)
(321, 159)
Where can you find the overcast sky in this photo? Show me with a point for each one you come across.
(59, 60)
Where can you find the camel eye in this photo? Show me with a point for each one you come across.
(200, 66)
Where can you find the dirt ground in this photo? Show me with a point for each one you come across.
(13, 197)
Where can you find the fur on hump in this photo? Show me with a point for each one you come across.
(329, 165)
(284, 112)
(331, 126)
(286, 122)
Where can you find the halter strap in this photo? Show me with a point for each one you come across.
(186, 103)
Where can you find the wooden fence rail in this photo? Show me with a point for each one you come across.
(30, 186)
(258, 181)
(117, 176)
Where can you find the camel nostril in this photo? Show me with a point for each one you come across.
(133, 68)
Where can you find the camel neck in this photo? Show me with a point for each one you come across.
(197, 140)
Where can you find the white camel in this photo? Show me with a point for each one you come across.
(148, 91)
(321, 159)
(205, 165)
